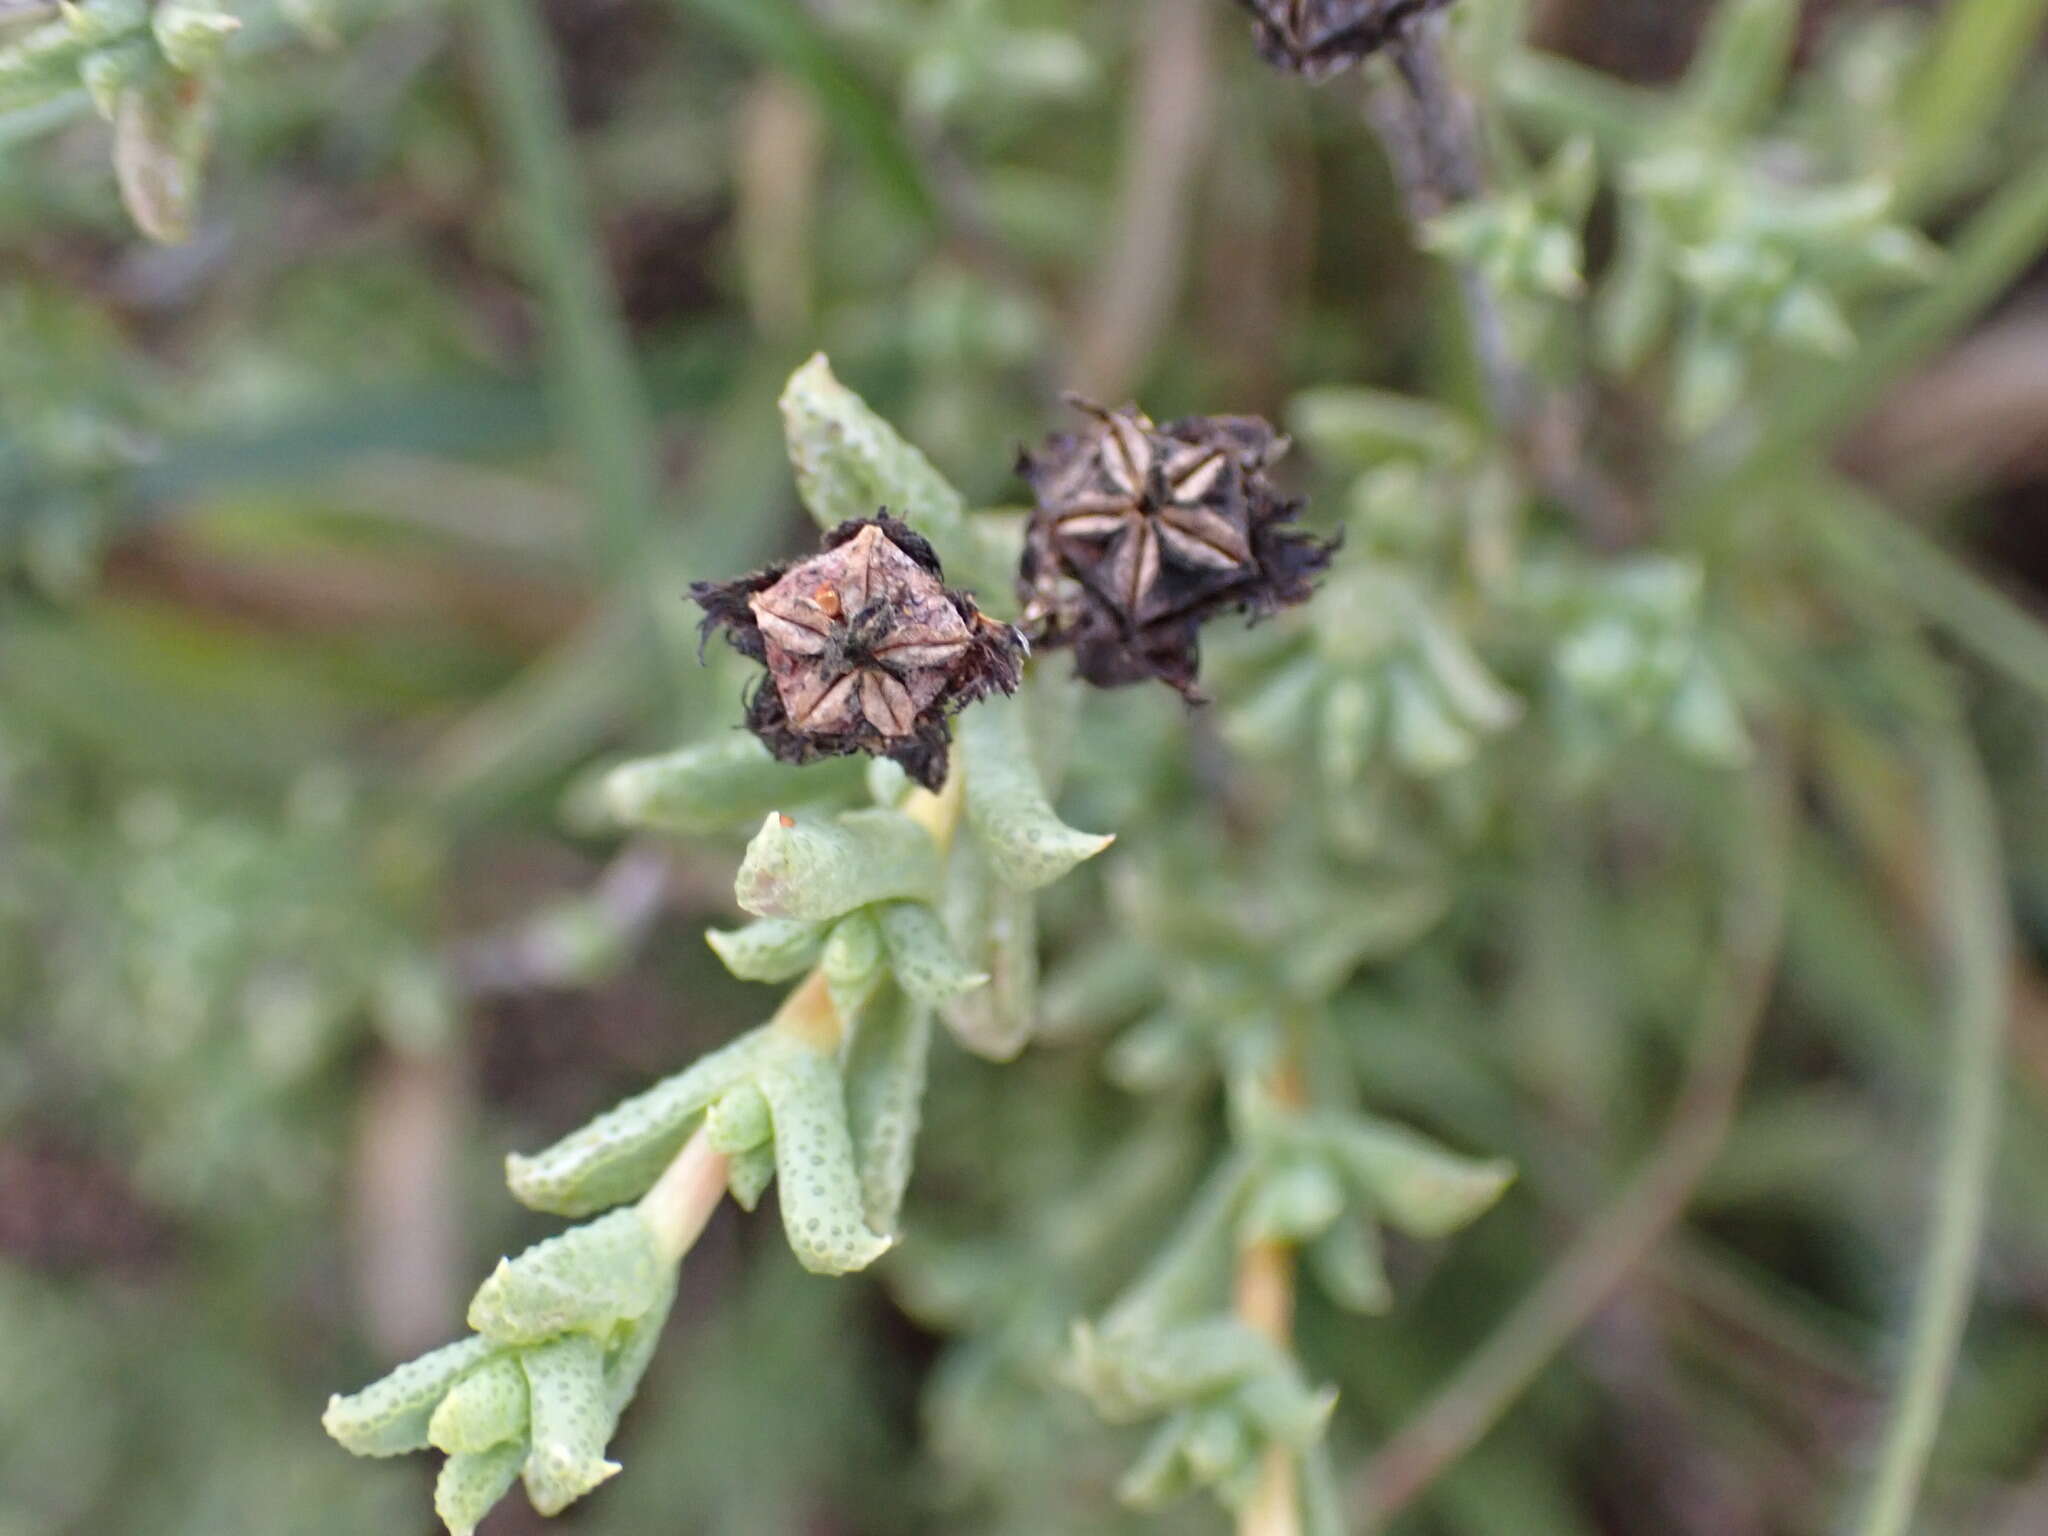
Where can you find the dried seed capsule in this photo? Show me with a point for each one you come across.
(1143, 533)
(1314, 38)
(867, 649)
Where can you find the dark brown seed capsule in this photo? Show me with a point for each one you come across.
(867, 649)
(1143, 533)
(1315, 38)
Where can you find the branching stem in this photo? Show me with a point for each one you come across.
(684, 1197)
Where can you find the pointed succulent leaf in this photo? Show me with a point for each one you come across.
(1160, 1475)
(632, 1349)
(769, 948)
(853, 963)
(1347, 728)
(1348, 1263)
(109, 73)
(193, 34)
(1026, 844)
(471, 1484)
(921, 957)
(486, 1408)
(998, 1020)
(886, 1065)
(1191, 1270)
(1419, 1187)
(1269, 720)
(1162, 1050)
(718, 784)
(850, 464)
(738, 1121)
(572, 1422)
(1217, 1446)
(619, 1155)
(1291, 1203)
(162, 131)
(1425, 739)
(749, 1173)
(1704, 721)
(1472, 692)
(1740, 66)
(1380, 920)
(588, 1279)
(817, 870)
(390, 1416)
(823, 1213)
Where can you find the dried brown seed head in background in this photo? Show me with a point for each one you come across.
(1143, 533)
(867, 649)
(1315, 38)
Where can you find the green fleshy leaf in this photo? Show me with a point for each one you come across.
(852, 963)
(718, 784)
(1704, 721)
(162, 131)
(1291, 1204)
(822, 1209)
(619, 1155)
(749, 1173)
(572, 1422)
(850, 463)
(1425, 738)
(1026, 844)
(390, 1416)
(470, 1485)
(922, 958)
(1160, 1474)
(818, 870)
(738, 1121)
(193, 34)
(1360, 428)
(588, 1279)
(886, 1065)
(769, 948)
(632, 1349)
(998, 1020)
(486, 1408)
(1347, 1262)
(1419, 1187)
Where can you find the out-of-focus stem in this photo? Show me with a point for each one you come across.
(1265, 1304)
(683, 1198)
(1974, 942)
(1140, 274)
(406, 1214)
(598, 392)
(1430, 130)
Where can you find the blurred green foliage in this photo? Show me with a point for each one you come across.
(342, 547)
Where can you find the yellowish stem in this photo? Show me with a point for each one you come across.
(1265, 1303)
(684, 1197)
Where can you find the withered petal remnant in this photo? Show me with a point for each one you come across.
(867, 649)
(1143, 533)
(1315, 38)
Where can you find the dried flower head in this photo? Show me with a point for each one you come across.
(1143, 533)
(1314, 38)
(867, 649)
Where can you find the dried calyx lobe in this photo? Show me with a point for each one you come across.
(1315, 38)
(1143, 533)
(867, 649)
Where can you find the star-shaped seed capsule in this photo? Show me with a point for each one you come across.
(1315, 38)
(867, 649)
(1142, 533)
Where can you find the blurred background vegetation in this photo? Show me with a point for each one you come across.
(340, 542)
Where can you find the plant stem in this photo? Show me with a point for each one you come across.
(1973, 935)
(1265, 1303)
(1621, 1237)
(685, 1195)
